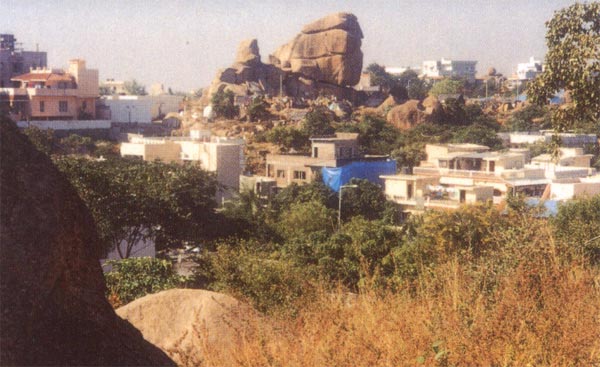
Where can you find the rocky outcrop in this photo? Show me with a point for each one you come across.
(189, 323)
(406, 115)
(325, 58)
(327, 50)
(53, 308)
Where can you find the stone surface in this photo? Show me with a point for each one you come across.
(53, 309)
(327, 50)
(189, 322)
(406, 115)
(324, 58)
(248, 52)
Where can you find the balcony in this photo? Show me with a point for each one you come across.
(426, 171)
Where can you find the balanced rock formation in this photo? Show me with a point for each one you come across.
(189, 324)
(53, 309)
(327, 50)
(325, 58)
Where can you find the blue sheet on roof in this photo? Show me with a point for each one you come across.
(334, 177)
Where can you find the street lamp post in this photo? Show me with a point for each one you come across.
(340, 203)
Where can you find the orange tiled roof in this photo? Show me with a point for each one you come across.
(42, 77)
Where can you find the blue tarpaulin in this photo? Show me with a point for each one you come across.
(334, 177)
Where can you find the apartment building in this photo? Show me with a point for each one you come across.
(224, 156)
(445, 68)
(335, 157)
(14, 60)
(529, 70)
(54, 94)
(454, 174)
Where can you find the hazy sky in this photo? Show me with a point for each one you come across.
(182, 43)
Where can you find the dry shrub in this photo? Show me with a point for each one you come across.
(540, 314)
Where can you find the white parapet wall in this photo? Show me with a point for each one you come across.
(66, 124)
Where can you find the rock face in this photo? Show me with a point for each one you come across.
(324, 58)
(406, 115)
(53, 307)
(188, 324)
(327, 50)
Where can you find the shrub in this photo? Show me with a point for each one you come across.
(133, 278)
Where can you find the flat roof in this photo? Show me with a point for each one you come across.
(404, 176)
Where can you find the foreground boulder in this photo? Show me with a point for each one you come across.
(53, 308)
(190, 325)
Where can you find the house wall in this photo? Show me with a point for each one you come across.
(87, 79)
(127, 109)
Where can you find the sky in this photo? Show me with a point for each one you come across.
(182, 43)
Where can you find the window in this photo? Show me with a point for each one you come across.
(315, 152)
(63, 106)
(299, 175)
(42, 106)
(280, 173)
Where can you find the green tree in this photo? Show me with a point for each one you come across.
(132, 87)
(288, 137)
(304, 219)
(133, 200)
(317, 122)
(381, 77)
(44, 140)
(447, 86)
(415, 87)
(376, 136)
(577, 225)
(223, 104)
(77, 144)
(130, 279)
(366, 200)
(572, 63)
(258, 109)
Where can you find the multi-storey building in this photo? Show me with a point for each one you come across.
(54, 94)
(336, 157)
(224, 156)
(529, 70)
(15, 61)
(454, 174)
(449, 69)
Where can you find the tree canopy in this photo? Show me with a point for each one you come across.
(134, 200)
(447, 86)
(572, 64)
(132, 87)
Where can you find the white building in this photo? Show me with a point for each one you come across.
(141, 109)
(449, 68)
(224, 156)
(529, 70)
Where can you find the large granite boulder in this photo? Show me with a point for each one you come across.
(327, 50)
(53, 308)
(248, 53)
(189, 322)
(406, 115)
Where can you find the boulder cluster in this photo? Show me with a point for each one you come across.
(324, 58)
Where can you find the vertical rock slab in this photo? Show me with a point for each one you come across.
(53, 309)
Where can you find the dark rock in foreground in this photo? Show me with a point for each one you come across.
(53, 307)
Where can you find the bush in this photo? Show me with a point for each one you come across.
(223, 106)
(133, 278)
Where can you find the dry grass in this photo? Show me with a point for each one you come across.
(539, 315)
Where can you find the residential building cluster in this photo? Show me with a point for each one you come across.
(455, 174)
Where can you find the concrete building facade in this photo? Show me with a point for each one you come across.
(449, 69)
(54, 94)
(15, 61)
(223, 156)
